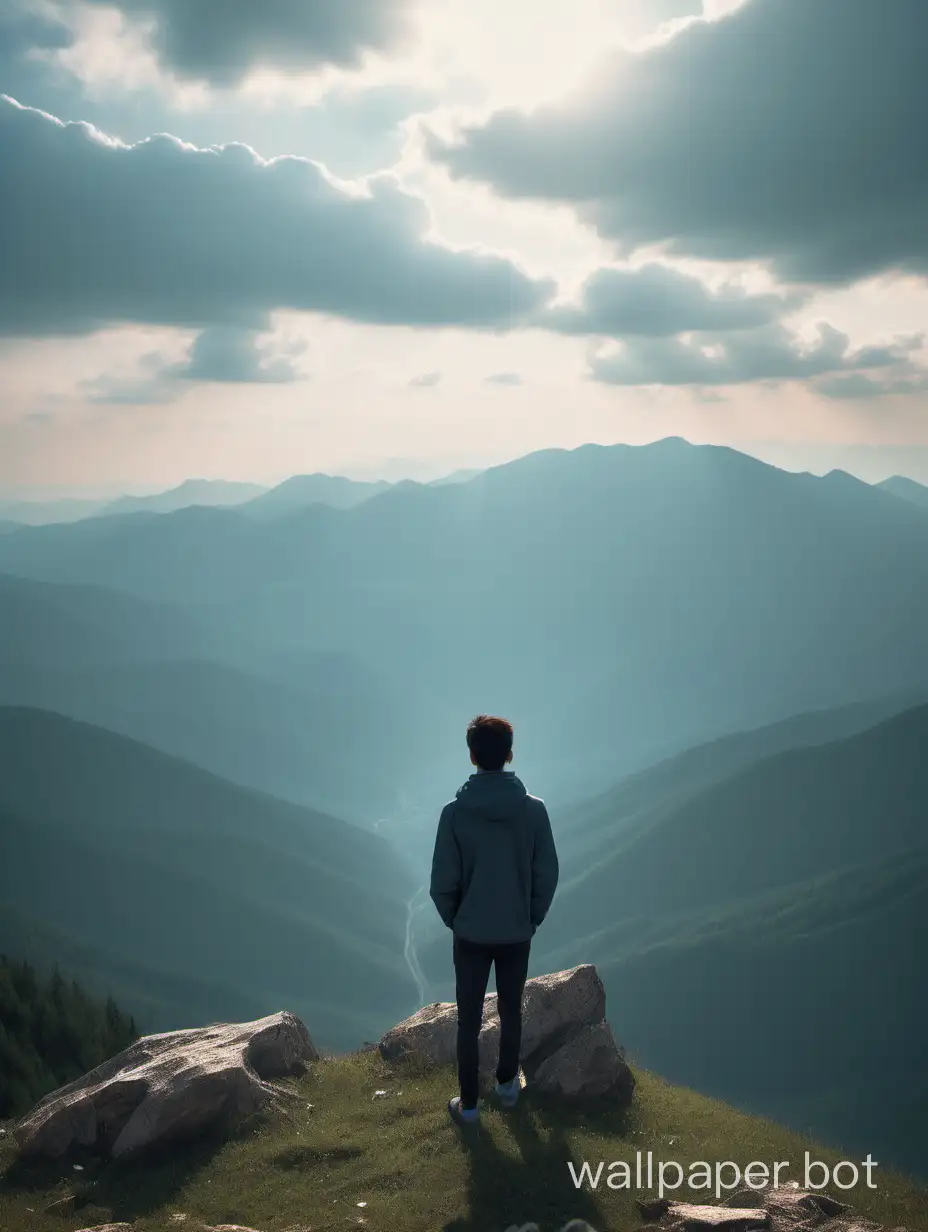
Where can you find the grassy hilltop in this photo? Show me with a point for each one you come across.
(333, 1146)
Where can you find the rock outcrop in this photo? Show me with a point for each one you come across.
(774, 1210)
(568, 1048)
(169, 1086)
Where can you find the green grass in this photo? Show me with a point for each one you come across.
(304, 1167)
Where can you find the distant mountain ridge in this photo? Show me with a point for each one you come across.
(341, 752)
(40, 512)
(592, 822)
(717, 672)
(152, 861)
(66, 510)
(688, 590)
(907, 489)
(805, 869)
(214, 492)
(49, 626)
(296, 492)
(300, 491)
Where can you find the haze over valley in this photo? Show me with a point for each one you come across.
(226, 741)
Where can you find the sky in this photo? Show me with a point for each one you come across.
(401, 237)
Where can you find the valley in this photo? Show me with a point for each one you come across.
(226, 737)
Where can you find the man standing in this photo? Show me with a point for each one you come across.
(494, 873)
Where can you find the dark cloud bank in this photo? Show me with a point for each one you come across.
(93, 231)
(220, 40)
(791, 131)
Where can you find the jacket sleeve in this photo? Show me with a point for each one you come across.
(445, 886)
(545, 868)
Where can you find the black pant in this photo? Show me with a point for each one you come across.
(472, 963)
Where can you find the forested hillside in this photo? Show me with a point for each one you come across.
(51, 1032)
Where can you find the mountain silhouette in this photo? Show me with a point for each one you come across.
(647, 597)
(149, 860)
(300, 491)
(806, 871)
(218, 492)
(50, 626)
(908, 489)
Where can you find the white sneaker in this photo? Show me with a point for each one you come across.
(508, 1092)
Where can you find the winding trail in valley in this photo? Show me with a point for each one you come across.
(409, 830)
(413, 907)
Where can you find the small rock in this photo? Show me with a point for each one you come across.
(730, 1218)
(227, 1227)
(107, 1227)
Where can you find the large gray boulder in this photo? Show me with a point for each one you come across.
(568, 1048)
(169, 1086)
(587, 1065)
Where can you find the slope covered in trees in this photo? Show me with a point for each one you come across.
(51, 1032)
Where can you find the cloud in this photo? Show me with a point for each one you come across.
(656, 300)
(219, 41)
(218, 354)
(352, 125)
(426, 381)
(789, 131)
(94, 231)
(504, 378)
(24, 31)
(28, 41)
(856, 385)
(228, 354)
(770, 353)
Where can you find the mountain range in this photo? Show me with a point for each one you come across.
(649, 598)
(292, 494)
(226, 734)
(191, 492)
(161, 875)
(908, 489)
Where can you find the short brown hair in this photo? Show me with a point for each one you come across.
(490, 740)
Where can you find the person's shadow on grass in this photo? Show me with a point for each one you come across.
(531, 1184)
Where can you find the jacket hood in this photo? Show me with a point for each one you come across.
(495, 795)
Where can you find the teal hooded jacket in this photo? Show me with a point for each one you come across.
(495, 866)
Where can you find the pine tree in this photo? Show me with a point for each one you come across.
(51, 1032)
